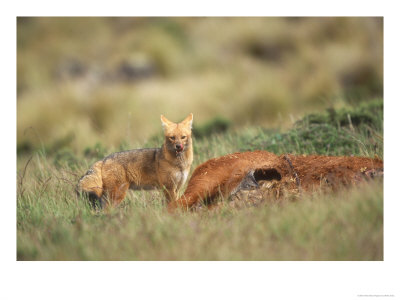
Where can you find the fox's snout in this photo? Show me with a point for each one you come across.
(179, 147)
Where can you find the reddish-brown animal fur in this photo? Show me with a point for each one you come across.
(223, 175)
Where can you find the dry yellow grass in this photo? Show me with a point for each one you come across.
(73, 88)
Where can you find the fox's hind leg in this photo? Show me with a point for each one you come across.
(118, 194)
(115, 183)
(115, 192)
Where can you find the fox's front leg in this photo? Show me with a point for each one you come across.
(170, 193)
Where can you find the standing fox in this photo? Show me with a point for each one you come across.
(167, 168)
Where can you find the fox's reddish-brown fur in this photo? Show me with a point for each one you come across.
(109, 179)
(225, 175)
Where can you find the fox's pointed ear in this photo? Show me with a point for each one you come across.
(188, 120)
(165, 122)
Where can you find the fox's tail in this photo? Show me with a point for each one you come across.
(92, 184)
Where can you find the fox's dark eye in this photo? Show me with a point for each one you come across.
(172, 138)
(183, 137)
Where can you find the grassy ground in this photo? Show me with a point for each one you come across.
(52, 224)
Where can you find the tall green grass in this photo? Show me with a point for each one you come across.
(345, 226)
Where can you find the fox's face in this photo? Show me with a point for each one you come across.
(178, 136)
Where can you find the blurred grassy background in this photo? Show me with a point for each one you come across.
(83, 81)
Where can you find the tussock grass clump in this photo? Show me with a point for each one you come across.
(217, 125)
(346, 131)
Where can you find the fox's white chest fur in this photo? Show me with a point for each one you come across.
(181, 177)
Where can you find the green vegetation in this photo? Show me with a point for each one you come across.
(53, 224)
(357, 131)
(346, 226)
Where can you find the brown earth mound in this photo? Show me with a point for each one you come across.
(230, 174)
